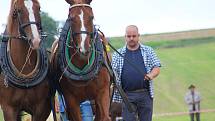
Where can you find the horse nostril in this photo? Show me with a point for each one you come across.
(87, 52)
(80, 50)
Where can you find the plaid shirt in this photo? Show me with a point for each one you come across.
(150, 60)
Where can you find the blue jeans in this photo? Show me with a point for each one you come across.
(86, 111)
(143, 104)
(63, 116)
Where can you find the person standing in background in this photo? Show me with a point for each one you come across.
(192, 98)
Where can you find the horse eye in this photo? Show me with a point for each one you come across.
(91, 17)
(71, 18)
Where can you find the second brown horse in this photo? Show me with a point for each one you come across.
(77, 62)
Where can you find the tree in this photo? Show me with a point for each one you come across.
(49, 26)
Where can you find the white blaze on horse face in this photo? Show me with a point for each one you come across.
(36, 37)
(83, 36)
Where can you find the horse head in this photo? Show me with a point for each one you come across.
(25, 17)
(81, 18)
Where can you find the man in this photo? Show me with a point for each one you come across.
(135, 72)
(192, 98)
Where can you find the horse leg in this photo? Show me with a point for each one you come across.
(103, 97)
(42, 111)
(38, 116)
(73, 109)
(10, 114)
(102, 105)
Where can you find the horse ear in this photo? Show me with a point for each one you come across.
(69, 2)
(88, 1)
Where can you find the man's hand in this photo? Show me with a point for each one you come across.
(154, 73)
(147, 77)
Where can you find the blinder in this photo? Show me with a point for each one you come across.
(22, 26)
(71, 19)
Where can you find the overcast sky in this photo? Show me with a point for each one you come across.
(151, 16)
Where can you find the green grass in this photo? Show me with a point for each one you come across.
(1, 115)
(118, 42)
(182, 67)
(179, 43)
(203, 116)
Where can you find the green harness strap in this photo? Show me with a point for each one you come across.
(68, 58)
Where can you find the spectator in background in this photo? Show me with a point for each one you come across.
(192, 98)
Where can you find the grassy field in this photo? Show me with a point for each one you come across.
(1, 116)
(183, 66)
(203, 116)
(184, 62)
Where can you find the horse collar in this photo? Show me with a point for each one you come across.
(11, 78)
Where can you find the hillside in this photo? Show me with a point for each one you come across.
(183, 66)
(190, 34)
(180, 35)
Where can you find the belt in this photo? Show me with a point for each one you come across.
(138, 90)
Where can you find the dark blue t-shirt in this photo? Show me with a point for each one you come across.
(132, 79)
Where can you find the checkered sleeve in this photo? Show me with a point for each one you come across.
(155, 62)
(115, 65)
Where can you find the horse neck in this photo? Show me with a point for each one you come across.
(78, 59)
(19, 50)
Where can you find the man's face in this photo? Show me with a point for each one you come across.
(132, 37)
(192, 89)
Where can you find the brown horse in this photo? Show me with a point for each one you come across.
(79, 63)
(24, 84)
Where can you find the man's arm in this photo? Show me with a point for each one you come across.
(154, 73)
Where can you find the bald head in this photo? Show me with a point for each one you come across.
(132, 37)
(133, 28)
